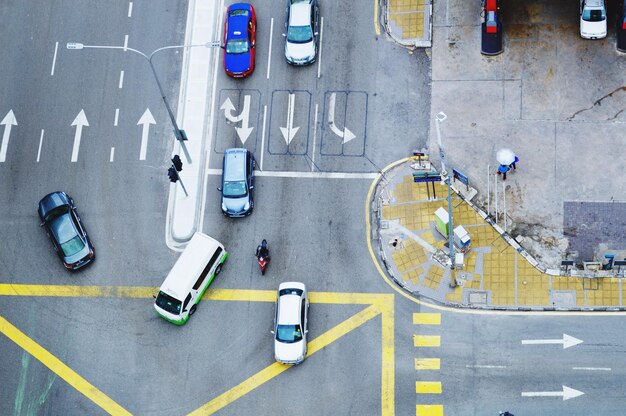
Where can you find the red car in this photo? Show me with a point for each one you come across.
(239, 39)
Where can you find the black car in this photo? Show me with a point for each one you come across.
(70, 240)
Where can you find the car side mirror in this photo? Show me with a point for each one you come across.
(271, 332)
(154, 296)
(306, 331)
(284, 35)
(223, 47)
(219, 189)
(252, 187)
(317, 33)
(42, 224)
(184, 310)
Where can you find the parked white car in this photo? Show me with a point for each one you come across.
(592, 19)
(290, 323)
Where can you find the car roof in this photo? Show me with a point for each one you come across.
(300, 14)
(189, 265)
(289, 309)
(238, 25)
(235, 164)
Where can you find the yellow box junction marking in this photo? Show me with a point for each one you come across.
(427, 363)
(429, 410)
(62, 370)
(379, 304)
(428, 387)
(426, 340)
(426, 319)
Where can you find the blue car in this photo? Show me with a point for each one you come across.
(239, 40)
(63, 225)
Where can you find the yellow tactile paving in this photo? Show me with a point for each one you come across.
(427, 363)
(570, 283)
(433, 277)
(499, 276)
(607, 293)
(492, 264)
(429, 410)
(428, 387)
(426, 340)
(396, 6)
(426, 319)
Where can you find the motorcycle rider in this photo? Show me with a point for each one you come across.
(263, 251)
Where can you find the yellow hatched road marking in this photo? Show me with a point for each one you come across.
(426, 319)
(275, 369)
(428, 387)
(427, 363)
(379, 304)
(429, 410)
(426, 340)
(59, 368)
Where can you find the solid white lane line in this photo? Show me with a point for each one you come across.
(54, 58)
(314, 137)
(485, 366)
(117, 115)
(307, 175)
(269, 54)
(40, 143)
(130, 9)
(121, 83)
(112, 154)
(125, 43)
(592, 368)
(319, 58)
(263, 136)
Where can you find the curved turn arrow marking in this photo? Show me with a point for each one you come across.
(346, 134)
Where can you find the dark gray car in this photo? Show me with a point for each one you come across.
(237, 183)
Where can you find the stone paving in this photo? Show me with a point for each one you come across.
(497, 271)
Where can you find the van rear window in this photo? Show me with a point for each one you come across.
(168, 303)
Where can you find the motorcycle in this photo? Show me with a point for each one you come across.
(263, 256)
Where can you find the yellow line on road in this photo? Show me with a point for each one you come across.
(275, 369)
(59, 368)
(245, 295)
(426, 340)
(376, 26)
(387, 385)
(428, 387)
(428, 410)
(426, 319)
(427, 363)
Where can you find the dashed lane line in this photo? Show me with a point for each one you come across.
(61, 369)
(428, 410)
(427, 363)
(426, 319)
(428, 387)
(426, 340)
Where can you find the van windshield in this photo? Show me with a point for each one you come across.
(168, 303)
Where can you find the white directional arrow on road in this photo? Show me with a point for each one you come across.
(244, 131)
(567, 393)
(346, 134)
(146, 119)
(79, 122)
(8, 121)
(290, 131)
(567, 341)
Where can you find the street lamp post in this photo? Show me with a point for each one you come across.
(181, 136)
(439, 118)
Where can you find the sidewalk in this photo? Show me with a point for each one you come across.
(497, 273)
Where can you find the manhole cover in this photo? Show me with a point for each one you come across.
(478, 298)
(563, 298)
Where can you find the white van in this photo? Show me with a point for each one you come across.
(192, 274)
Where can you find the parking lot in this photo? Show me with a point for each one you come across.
(557, 100)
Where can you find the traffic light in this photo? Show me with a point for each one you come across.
(173, 174)
(178, 164)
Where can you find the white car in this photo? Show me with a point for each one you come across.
(290, 323)
(302, 31)
(592, 19)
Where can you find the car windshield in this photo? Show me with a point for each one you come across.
(594, 15)
(299, 34)
(72, 246)
(235, 189)
(289, 333)
(237, 46)
(57, 212)
(168, 303)
(239, 12)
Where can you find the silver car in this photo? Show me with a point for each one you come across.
(237, 183)
(302, 31)
(290, 323)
